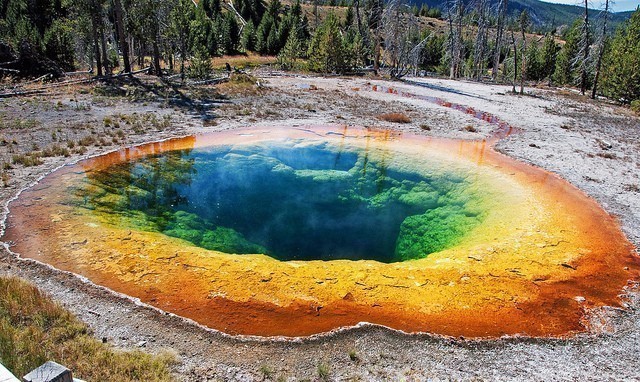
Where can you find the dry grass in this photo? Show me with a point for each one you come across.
(240, 84)
(18, 124)
(395, 117)
(27, 160)
(55, 150)
(242, 61)
(34, 329)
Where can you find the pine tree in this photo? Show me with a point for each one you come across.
(201, 64)
(292, 51)
(621, 74)
(230, 31)
(58, 44)
(211, 8)
(547, 57)
(248, 39)
(202, 34)
(326, 49)
(348, 20)
(534, 67)
(267, 35)
(565, 62)
(180, 22)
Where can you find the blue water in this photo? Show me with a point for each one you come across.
(289, 200)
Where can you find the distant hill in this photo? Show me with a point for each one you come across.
(544, 15)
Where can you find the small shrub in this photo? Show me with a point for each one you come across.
(395, 118)
(425, 127)
(323, 371)
(27, 160)
(55, 151)
(266, 371)
(87, 141)
(18, 124)
(471, 129)
(353, 355)
(607, 155)
(243, 78)
(5, 179)
(635, 106)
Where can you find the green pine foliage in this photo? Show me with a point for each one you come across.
(230, 34)
(566, 59)
(534, 65)
(328, 51)
(547, 57)
(621, 74)
(203, 36)
(45, 25)
(248, 38)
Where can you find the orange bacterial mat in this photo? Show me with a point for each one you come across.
(532, 253)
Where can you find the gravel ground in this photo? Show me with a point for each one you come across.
(593, 145)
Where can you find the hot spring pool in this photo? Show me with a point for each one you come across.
(300, 230)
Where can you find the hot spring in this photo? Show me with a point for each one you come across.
(301, 230)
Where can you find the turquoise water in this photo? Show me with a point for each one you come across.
(288, 199)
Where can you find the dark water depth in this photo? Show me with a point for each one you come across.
(289, 200)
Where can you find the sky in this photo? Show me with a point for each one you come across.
(615, 5)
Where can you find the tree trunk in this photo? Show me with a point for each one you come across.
(377, 54)
(356, 4)
(601, 50)
(122, 38)
(105, 55)
(585, 49)
(452, 47)
(156, 58)
(502, 9)
(96, 44)
(523, 64)
(515, 62)
(481, 39)
(460, 14)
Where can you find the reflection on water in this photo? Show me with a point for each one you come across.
(289, 199)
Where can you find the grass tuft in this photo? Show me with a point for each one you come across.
(34, 329)
(395, 117)
(27, 160)
(323, 371)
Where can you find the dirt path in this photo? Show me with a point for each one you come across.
(592, 145)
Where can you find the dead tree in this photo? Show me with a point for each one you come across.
(399, 28)
(515, 62)
(584, 49)
(600, 49)
(502, 12)
(455, 14)
(524, 22)
(356, 5)
(375, 11)
(480, 49)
